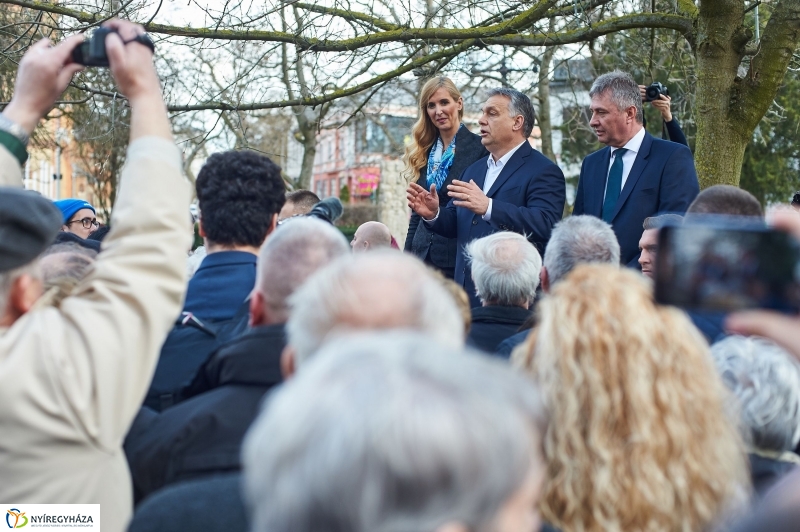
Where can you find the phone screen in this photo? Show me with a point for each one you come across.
(708, 267)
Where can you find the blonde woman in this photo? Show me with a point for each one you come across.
(441, 148)
(641, 439)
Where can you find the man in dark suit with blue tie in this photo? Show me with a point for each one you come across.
(635, 176)
(514, 189)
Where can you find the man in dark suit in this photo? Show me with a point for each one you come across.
(514, 189)
(432, 248)
(636, 176)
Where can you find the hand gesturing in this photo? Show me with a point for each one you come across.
(423, 202)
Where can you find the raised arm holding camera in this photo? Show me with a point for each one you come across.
(658, 96)
(74, 377)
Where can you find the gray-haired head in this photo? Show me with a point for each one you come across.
(579, 240)
(65, 260)
(505, 268)
(382, 290)
(657, 222)
(519, 105)
(292, 253)
(766, 380)
(392, 432)
(622, 88)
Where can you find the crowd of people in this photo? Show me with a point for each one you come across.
(510, 371)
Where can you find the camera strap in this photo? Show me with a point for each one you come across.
(143, 39)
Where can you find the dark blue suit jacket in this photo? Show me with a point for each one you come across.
(527, 198)
(428, 246)
(662, 180)
(221, 284)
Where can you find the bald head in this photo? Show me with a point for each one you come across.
(371, 236)
(290, 255)
(376, 291)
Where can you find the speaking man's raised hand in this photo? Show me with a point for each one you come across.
(423, 202)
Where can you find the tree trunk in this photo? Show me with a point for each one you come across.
(729, 107)
(309, 153)
(308, 121)
(545, 123)
(720, 144)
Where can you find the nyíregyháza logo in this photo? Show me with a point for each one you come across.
(18, 517)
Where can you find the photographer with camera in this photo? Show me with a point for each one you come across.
(74, 377)
(658, 96)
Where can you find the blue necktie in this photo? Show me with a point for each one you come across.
(614, 185)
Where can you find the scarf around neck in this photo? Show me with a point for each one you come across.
(437, 172)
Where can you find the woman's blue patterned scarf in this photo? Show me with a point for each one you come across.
(437, 173)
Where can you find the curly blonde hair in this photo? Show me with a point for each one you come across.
(424, 132)
(641, 439)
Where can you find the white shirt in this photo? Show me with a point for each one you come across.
(628, 157)
(493, 170)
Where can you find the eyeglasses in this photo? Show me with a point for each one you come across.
(87, 222)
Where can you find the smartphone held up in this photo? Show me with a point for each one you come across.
(727, 264)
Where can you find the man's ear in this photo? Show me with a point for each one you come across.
(272, 225)
(287, 362)
(200, 230)
(544, 279)
(258, 315)
(519, 122)
(25, 291)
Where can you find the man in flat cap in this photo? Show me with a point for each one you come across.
(73, 378)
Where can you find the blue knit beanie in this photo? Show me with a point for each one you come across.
(70, 206)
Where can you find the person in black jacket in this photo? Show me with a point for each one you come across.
(203, 435)
(441, 149)
(505, 269)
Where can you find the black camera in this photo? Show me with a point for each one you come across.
(92, 52)
(655, 90)
(329, 210)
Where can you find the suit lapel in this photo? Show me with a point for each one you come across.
(636, 172)
(513, 164)
(598, 184)
(463, 142)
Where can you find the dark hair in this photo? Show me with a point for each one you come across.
(238, 193)
(519, 104)
(304, 200)
(796, 199)
(657, 222)
(726, 199)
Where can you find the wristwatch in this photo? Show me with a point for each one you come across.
(9, 126)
